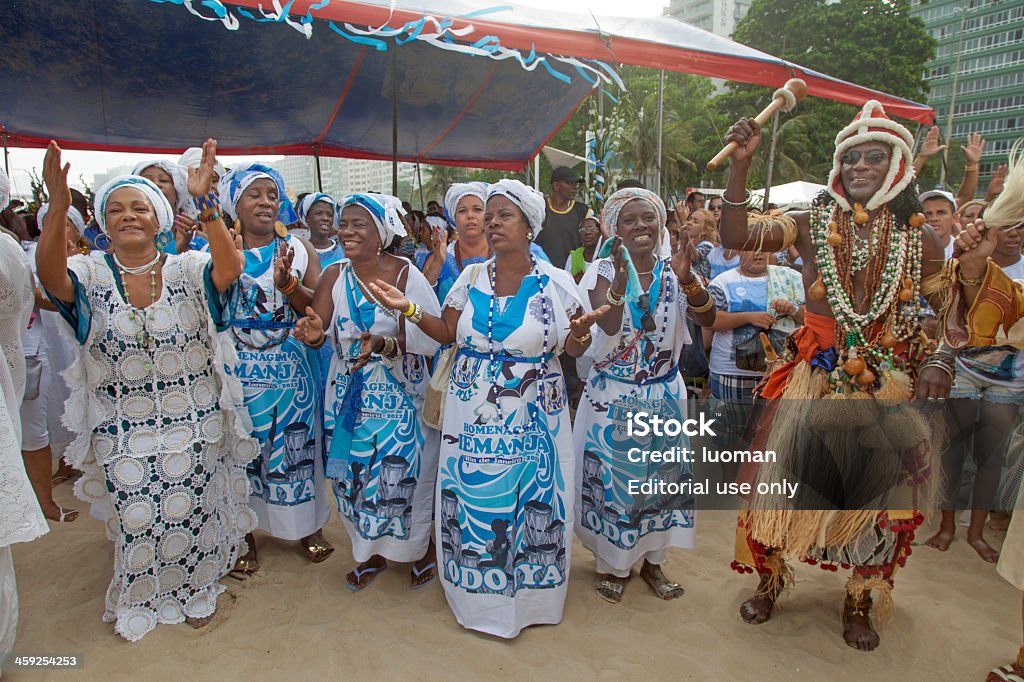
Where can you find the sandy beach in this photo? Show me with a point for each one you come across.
(955, 619)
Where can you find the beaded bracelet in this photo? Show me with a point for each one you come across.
(206, 219)
(737, 204)
(970, 282)
(289, 286)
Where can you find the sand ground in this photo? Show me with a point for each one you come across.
(955, 619)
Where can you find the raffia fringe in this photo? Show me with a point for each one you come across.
(859, 587)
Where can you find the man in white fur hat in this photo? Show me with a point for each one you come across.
(868, 258)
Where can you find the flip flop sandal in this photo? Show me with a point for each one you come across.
(1005, 673)
(416, 574)
(318, 551)
(64, 514)
(611, 589)
(665, 588)
(372, 571)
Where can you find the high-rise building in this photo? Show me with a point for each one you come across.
(344, 176)
(977, 76)
(718, 16)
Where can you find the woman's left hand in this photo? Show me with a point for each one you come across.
(283, 267)
(369, 344)
(389, 295)
(200, 181)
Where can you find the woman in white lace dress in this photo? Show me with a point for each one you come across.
(21, 519)
(160, 435)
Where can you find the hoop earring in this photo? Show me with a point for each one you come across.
(280, 229)
(238, 226)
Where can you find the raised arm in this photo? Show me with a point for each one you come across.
(765, 236)
(972, 153)
(52, 250)
(929, 148)
(224, 252)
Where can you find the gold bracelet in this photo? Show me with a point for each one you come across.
(708, 305)
(970, 282)
(692, 287)
(970, 168)
(613, 298)
(417, 314)
(581, 340)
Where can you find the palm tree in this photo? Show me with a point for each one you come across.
(441, 178)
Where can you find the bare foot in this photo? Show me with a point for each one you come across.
(858, 632)
(941, 540)
(983, 549)
(999, 520)
(758, 607)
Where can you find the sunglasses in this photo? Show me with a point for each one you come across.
(875, 157)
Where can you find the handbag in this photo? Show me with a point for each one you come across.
(33, 376)
(750, 353)
(437, 388)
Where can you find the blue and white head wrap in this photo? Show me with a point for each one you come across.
(385, 210)
(456, 193)
(530, 201)
(73, 213)
(161, 207)
(237, 181)
(307, 203)
(179, 176)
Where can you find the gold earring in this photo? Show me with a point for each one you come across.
(280, 229)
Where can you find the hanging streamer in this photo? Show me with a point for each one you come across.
(443, 34)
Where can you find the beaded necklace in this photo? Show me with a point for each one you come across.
(892, 285)
(391, 312)
(494, 367)
(144, 338)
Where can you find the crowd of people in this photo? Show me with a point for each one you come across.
(214, 360)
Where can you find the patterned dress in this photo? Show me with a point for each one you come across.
(634, 370)
(279, 378)
(504, 510)
(383, 459)
(161, 438)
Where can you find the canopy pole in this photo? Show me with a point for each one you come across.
(419, 181)
(661, 112)
(536, 172)
(7, 160)
(319, 177)
(394, 121)
(771, 161)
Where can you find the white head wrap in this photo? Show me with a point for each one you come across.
(307, 203)
(179, 176)
(530, 201)
(617, 201)
(5, 190)
(459, 190)
(437, 221)
(73, 213)
(163, 210)
(193, 156)
(385, 210)
(233, 186)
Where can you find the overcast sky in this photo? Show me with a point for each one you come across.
(88, 164)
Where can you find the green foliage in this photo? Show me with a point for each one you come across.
(873, 43)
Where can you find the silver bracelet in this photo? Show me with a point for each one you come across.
(737, 204)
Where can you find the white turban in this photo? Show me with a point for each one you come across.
(385, 210)
(459, 190)
(193, 156)
(5, 190)
(530, 201)
(437, 221)
(162, 208)
(617, 201)
(73, 213)
(307, 203)
(179, 176)
(234, 184)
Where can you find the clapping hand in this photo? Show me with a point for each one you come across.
(309, 329)
(368, 346)
(55, 177)
(681, 261)
(200, 180)
(283, 267)
(389, 295)
(580, 326)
